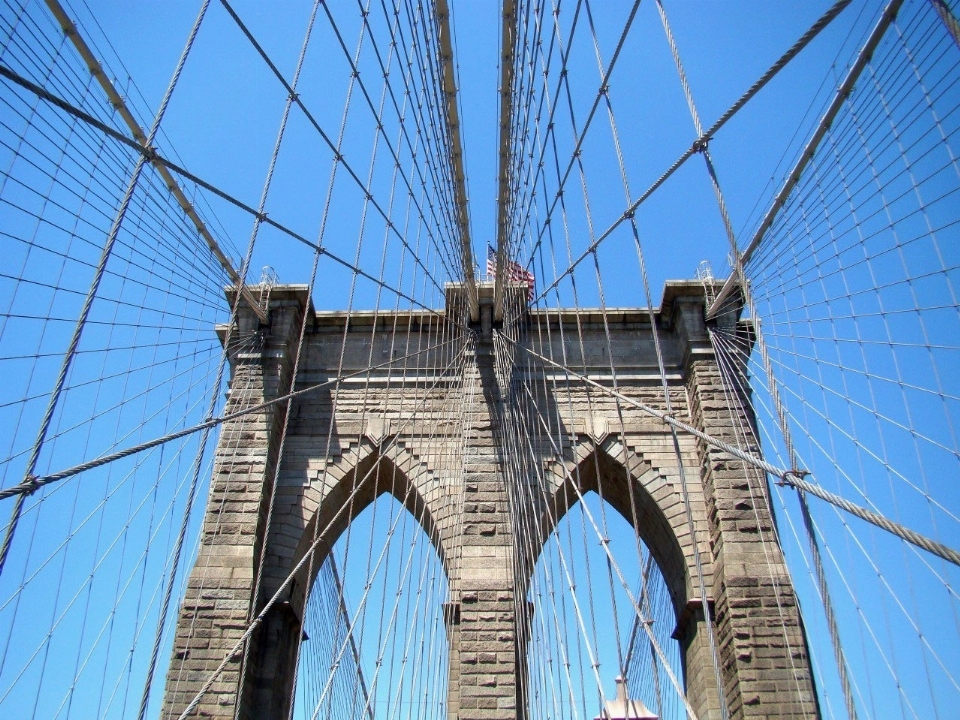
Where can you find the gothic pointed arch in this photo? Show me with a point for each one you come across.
(357, 478)
(649, 500)
(309, 519)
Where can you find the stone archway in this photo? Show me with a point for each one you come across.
(307, 519)
(334, 456)
(649, 502)
(382, 585)
(353, 483)
(651, 505)
(466, 511)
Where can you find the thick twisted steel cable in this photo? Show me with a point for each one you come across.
(795, 480)
(35, 482)
(699, 143)
(92, 292)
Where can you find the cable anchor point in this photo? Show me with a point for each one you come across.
(30, 484)
(785, 478)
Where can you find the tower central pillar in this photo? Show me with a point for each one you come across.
(485, 619)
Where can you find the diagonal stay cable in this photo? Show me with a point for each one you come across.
(151, 155)
(326, 138)
(700, 142)
(157, 159)
(735, 389)
(793, 478)
(821, 416)
(93, 291)
(797, 482)
(305, 317)
(602, 92)
(117, 101)
(391, 149)
(33, 483)
(839, 99)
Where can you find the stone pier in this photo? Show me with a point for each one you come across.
(353, 443)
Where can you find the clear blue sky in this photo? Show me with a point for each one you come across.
(224, 118)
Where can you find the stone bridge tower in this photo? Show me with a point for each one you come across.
(336, 453)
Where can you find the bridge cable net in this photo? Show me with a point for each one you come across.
(571, 668)
(100, 548)
(853, 289)
(108, 300)
(908, 96)
(356, 556)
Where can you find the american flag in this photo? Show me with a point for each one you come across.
(515, 271)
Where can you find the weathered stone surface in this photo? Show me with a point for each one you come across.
(438, 445)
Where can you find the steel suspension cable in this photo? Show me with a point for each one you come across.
(92, 293)
(814, 30)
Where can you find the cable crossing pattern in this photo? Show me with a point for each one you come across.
(378, 480)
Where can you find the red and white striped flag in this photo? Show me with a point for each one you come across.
(515, 272)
